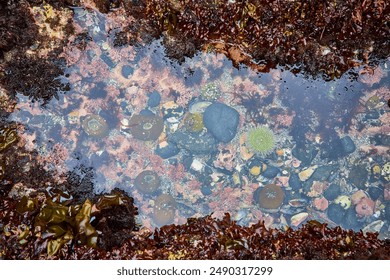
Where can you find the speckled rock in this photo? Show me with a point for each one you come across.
(221, 121)
(194, 143)
(332, 192)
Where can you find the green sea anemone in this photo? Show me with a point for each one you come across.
(261, 140)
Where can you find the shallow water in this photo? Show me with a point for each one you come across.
(131, 109)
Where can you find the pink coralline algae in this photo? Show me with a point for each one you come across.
(365, 207)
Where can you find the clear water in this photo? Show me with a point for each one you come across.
(337, 129)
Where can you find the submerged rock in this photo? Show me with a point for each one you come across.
(348, 145)
(270, 172)
(294, 182)
(194, 143)
(221, 121)
(336, 213)
(167, 150)
(154, 99)
(332, 192)
(305, 153)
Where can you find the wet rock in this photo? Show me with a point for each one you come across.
(323, 172)
(127, 71)
(381, 140)
(294, 182)
(167, 150)
(365, 208)
(348, 145)
(336, 213)
(154, 99)
(372, 115)
(195, 144)
(358, 175)
(375, 226)
(320, 203)
(375, 192)
(333, 149)
(270, 172)
(304, 175)
(332, 192)
(298, 219)
(305, 153)
(350, 220)
(387, 212)
(221, 121)
(206, 190)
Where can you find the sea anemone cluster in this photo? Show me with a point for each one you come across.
(261, 140)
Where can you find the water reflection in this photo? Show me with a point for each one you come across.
(132, 112)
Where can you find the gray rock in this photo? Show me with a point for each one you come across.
(194, 143)
(348, 145)
(221, 121)
(167, 151)
(294, 182)
(270, 172)
(154, 99)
